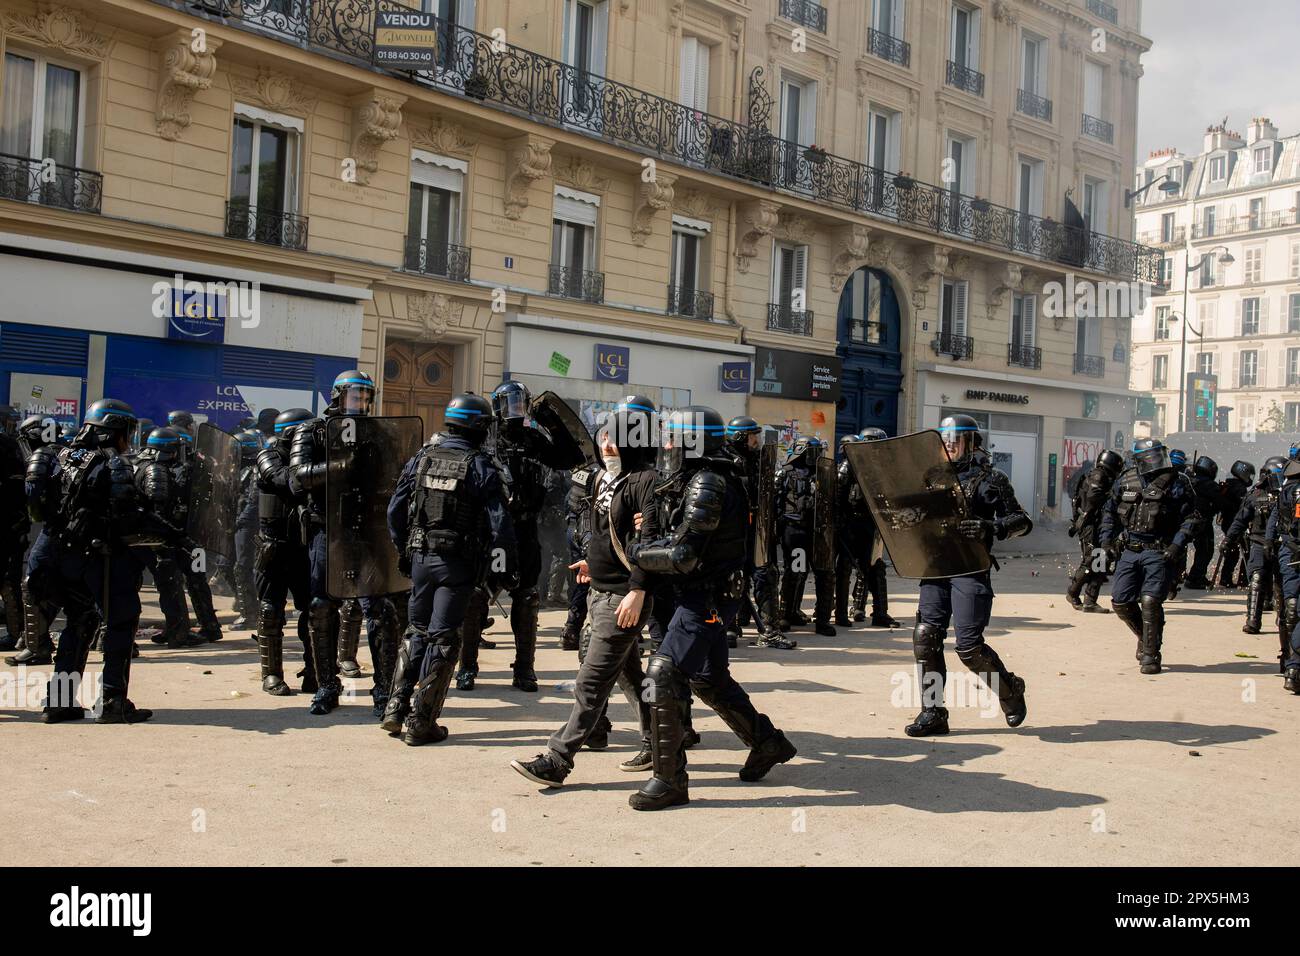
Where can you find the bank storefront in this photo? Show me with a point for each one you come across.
(795, 393)
(1040, 433)
(593, 366)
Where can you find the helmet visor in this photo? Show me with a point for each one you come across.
(510, 403)
(958, 440)
(1151, 459)
(356, 400)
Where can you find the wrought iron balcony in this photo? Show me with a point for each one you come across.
(964, 78)
(957, 346)
(867, 333)
(1247, 223)
(1094, 366)
(1031, 104)
(889, 47)
(270, 226)
(1026, 356)
(782, 318)
(445, 259)
(1098, 129)
(691, 303)
(49, 184)
(576, 284)
(806, 13)
(529, 85)
(1175, 237)
(1104, 10)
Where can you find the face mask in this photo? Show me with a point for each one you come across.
(613, 465)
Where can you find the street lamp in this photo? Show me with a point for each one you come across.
(1225, 259)
(1168, 185)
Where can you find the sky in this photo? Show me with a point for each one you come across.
(1211, 59)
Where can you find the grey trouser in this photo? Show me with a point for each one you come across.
(612, 657)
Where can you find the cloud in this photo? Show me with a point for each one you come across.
(1211, 60)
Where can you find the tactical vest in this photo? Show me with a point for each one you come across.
(442, 516)
(84, 507)
(1264, 501)
(1142, 508)
(526, 480)
(799, 493)
(727, 546)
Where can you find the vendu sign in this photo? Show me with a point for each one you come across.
(612, 363)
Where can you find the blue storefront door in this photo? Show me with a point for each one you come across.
(870, 346)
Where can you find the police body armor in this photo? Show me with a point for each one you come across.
(308, 449)
(722, 557)
(155, 484)
(799, 494)
(43, 488)
(577, 509)
(441, 516)
(1142, 509)
(85, 518)
(525, 479)
(278, 520)
(1264, 501)
(1095, 486)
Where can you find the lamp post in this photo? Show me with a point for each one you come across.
(1168, 185)
(1227, 260)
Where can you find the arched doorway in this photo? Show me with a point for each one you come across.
(417, 381)
(869, 325)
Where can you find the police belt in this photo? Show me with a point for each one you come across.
(435, 541)
(1140, 546)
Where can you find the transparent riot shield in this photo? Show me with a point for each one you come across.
(214, 491)
(917, 502)
(823, 556)
(765, 516)
(573, 443)
(366, 455)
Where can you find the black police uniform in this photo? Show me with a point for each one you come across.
(1251, 524)
(796, 505)
(1232, 492)
(1156, 512)
(577, 522)
(967, 603)
(1208, 497)
(15, 525)
(448, 515)
(246, 531)
(155, 483)
(1089, 501)
(1284, 531)
(855, 537)
(703, 552)
(39, 496)
(281, 565)
(194, 573)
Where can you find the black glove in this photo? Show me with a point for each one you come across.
(404, 565)
(1071, 531)
(976, 528)
(1174, 553)
(503, 581)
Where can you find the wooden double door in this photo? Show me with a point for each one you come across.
(418, 381)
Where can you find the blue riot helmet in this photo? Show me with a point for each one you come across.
(960, 434)
(1150, 455)
(1178, 459)
(353, 393)
(250, 443)
(288, 420)
(468, 415)
(689, 435)
(166, 444)
(1272, 471)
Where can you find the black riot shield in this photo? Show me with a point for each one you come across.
(572, 441)
(214, 491)
(765, 516)
(917, 502)
(823, 556)
(366, 455)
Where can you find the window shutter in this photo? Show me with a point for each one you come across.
(801, 272)
(1240, 327)
(690, 51)
(959, 308)
(1236, 368)
(896, 20)
(1029, 320)
(1261, 369)
(973, 41)
(702, 78)
(1263, 315)
(600, 38)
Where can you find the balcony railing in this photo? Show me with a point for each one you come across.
(272, 227)
(688, 302)
(49, 184)
(1026, 356)
(576, 284)
(782, 318)
(1094, 366)
(806, 13)
(889, 47)
(530, 85)
(957, 346)
(1031, 104)
(867, 333)
(1247, 223)
(445, 259)
(964, 78)
(1098, 128)
(1104, 10)
(1159, 239)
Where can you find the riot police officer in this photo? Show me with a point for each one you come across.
(38, 443)
(1205, 472)
(281, 565)
(967, 600)
(96, 574)
(703, 551)
(577, 525)
(1232, 492)
(1154, 506)
(857, 539)
(449, 519)
(15, 525)
(796, 497)
(250, 445)
(1284, 532)
(1251, 523)
(156, 485)
(1089, 501)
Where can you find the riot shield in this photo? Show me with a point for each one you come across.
(823, 556)
(917, 502)
(366, 455)
(214, 491)
(765, 516)
(574, 445)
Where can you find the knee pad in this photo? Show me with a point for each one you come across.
(1151, 603)
(318, 612)
(270, 618)
(350, 613)
(665, 680)
(927, 640)
(449, 639)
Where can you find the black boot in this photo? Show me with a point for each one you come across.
(1254, 604)
(201, 598)
(322, 624)
(668, 787)
(37, 617)
(523, 622)
(1130, 612)
(119, 710)
(843, 572)
(1091, 590)
(308, 672)
(383, 634)
(270, 646)
(1153, 629)
(421, 726)
(471, 633)
(767, 745)
(401, 685)
(985, 662)
(1286, 625)
(14, 622)
(1292, 681)
(859, 598)
(932, 672)
(349, 638)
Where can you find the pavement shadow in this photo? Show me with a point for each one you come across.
(1163, 731)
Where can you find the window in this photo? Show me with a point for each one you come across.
(1295, 259)
(1094, 85)
(1208, 318)
(573, 245)
(887, 17)
(1162, 323)
(1245, 416)
(1208, 271)
(1263, 160)
(952, 310)
(1254, 264)
(1205, 363)
(964, 42)
(864, 295)
(1250, 316)
(43, 110)
(1293, 312)
(433, 223)
(1166, 272)
(961, 167)
(694, 72)
(1096, 199)
(1029, 186)
(264, 176)
(1292, 416)
(688, 275)
(1248, 372)
(1159, 371)
(1218, 169)
(883, 127)
(798, 110)
(1257, 214)
(1292, 367)
(1208, 217)
(1024, 321)
(1033, 68)
(790, 277)
(586, 29)
(1167, 227)
(455, 16)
